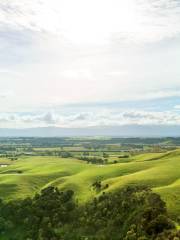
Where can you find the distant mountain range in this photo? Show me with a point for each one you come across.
(117, 131)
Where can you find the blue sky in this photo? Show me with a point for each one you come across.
(87, 63)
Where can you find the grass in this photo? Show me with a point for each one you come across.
(27, 175)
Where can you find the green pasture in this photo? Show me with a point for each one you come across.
(27, 175)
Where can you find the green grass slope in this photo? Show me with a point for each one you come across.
(28, 175)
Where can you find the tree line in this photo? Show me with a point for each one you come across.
(132, 213)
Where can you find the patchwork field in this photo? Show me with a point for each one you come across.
(27, 175)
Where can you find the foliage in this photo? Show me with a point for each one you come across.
(93, 160)
(134, 213)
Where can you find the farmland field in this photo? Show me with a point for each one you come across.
(63, 188)
(30, 174)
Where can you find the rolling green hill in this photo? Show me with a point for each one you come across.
(27, 175)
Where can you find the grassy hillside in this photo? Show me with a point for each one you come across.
(160, 171)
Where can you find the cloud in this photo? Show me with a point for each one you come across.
(88, 119)
(48, 118)
(160, 94)
(9, 72)
(177, 107)
(6, 94)
(65, 51)
(132, 20)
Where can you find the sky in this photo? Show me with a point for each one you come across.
(83, 63)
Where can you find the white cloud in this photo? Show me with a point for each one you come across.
(177, 107)
(92, 118)
(6, 94)
(65, 51)
(95, 22)
(159, 94)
